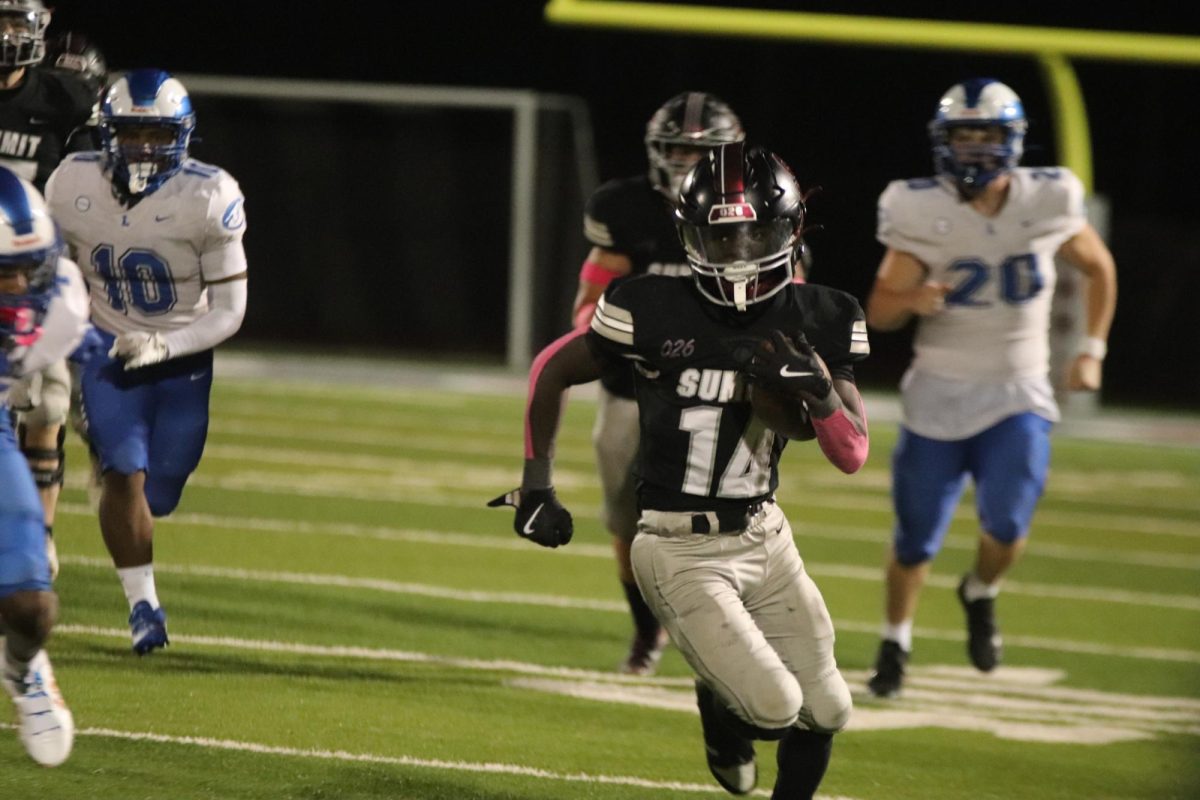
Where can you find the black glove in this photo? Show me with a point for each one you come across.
(790, 366)
(540, 516)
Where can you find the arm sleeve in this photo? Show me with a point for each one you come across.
(65, 324)
(226, 308)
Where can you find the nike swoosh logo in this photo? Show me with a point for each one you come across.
(198, 376)
(528, 529)
(157, 218)
(784, 372)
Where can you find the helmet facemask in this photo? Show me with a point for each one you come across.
(22, 34)
(741, 263)
(144, 153)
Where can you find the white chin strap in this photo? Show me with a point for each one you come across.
(739, 294)
(140, 175)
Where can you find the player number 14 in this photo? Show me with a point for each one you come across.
(748, 473)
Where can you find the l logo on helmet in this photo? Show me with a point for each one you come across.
(731, 212)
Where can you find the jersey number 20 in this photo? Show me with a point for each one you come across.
(140, 278)
(1020, 280)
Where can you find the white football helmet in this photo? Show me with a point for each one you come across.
(977, 103)
(145, 98)
(30, 245)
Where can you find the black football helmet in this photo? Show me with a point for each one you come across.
(691, 121)
(75, 52)
(740, 217)
(22, 33)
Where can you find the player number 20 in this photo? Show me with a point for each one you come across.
(140, 278)
(1020, 280)
(748, 473)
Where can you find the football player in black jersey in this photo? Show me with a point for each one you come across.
(629, 224)
(714, 555)
(41, 106)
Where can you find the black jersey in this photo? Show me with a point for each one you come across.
(629, 216)
(37, 119)
(701, 447)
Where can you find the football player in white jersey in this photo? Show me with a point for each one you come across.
(160, 236)
(43, 316)
(970, 254)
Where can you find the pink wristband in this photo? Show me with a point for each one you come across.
(842, 443)
(594, 273)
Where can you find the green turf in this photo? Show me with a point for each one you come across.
(353, 517)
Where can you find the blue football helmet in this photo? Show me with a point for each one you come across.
(138, 105)
(977, 103)
(22, 33)
(30, 246)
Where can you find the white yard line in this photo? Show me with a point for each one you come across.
(491, 768)
(472, 486)
(556, 601)
(1013, 702)
(1097, 594)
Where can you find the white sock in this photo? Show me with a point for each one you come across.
(976, 589)
(138, 583)
(900, 633)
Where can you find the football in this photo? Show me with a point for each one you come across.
(786, 416)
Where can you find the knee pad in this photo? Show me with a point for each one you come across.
(748, 730)
(771, 709)
(45, 476)
(827, 705)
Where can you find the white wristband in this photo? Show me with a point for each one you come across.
(1095, 347)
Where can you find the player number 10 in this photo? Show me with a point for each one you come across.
(141, 278)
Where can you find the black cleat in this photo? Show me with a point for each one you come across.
(730, 756)
(983, 637)
(889, 669)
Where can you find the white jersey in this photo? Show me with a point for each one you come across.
(63, 327)
(148, 266)
(986, 355)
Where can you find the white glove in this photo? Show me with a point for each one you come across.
(139, 349)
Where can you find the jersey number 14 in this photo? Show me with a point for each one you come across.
(748, 473)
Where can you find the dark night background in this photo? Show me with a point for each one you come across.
(371, 273)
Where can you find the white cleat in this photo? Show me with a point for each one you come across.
(44, 722)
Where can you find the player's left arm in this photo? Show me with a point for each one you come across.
(791, 365)
(1087, 252)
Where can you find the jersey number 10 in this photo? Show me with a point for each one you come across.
(141, 278)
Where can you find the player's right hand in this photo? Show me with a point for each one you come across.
(929, 298)
(139, 349)
(540, 517)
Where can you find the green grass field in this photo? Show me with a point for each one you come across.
(349, 621)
